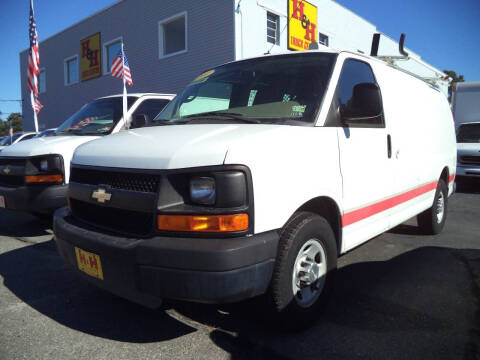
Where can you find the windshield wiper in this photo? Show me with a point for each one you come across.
(229, 115)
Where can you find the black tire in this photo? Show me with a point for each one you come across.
(428, 221)
(301, 228)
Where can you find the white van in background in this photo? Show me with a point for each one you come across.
(466, 112)
(16, 138)
(287, 162)
(34, 174)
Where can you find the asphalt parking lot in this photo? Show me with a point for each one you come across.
(400, 296)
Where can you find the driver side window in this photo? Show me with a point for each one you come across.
(355, 73)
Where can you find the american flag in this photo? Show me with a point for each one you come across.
(120, 69)
(37, 105)
(33, 58)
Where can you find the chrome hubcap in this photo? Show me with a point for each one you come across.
(309, 273)
(440, 208)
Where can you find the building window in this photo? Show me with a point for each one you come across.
(323, 39)
(172, 35)
(273, 26)
(42, 81)
(71, 70)
(110, 50)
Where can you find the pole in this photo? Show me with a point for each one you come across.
(124, 91)
(34, 112)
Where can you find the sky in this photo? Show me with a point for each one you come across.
(443, 32)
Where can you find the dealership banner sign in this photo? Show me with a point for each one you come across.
(90, 59)
(302, 24)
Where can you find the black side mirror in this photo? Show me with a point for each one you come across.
(140, 121)
(364, 104)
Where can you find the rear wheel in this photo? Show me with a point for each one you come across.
(432, 220)
(303, 275)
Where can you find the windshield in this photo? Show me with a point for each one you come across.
(468, 133)
(9, 140)
(98, 117)
(280, 89)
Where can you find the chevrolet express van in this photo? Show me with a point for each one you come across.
(34, 173)
(260, 174)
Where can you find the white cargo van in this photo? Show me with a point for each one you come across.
(265, 171)
(34, 173)
(466, 112)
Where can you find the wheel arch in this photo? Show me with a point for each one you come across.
(445, 175)
(328, 209)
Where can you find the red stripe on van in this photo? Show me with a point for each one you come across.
(451, 178)
(367, 211)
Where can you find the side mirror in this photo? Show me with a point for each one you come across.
(364, 104)
(140, 121)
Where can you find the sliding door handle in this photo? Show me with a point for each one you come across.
(389, 146)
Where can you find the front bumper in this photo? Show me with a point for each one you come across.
(212, 270)
(35, 198)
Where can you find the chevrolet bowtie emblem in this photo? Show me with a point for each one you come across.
(101, 196)
(7, 170)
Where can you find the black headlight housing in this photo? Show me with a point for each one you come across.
(45, 164)
(232, 186)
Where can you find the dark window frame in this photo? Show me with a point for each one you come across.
(333, 118)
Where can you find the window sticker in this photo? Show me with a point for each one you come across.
(251, 97)
(202, 77)
(298, 110)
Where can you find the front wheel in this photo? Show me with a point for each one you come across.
(303, 276)
(432, 220)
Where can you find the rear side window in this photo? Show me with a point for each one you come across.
(27, 137)
(354, 72)
(150, 108)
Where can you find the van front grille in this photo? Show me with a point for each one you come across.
(470, 159)
(9, 180)
(116, 180)
(117, 220)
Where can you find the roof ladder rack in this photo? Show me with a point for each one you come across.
(394, 59)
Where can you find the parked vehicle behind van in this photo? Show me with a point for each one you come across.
(466, 112)
(263, 172)
(16, 138)
(34, 174)
(468, 147)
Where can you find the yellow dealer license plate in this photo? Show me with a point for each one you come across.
(89, 263)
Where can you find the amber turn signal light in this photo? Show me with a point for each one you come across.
(203, 223)
(38, 179)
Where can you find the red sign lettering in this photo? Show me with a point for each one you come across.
(85, 48)
(310, 32)
(298, 10)
(93, 262)
(82, 259)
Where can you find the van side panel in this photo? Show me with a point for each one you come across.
(423, 140)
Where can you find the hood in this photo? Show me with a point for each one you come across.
(473, 148)
(46, 145)
(168, 147)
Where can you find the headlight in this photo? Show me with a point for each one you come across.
(202, 190)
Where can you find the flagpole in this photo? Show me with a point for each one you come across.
(124, 91)
(34, 112)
